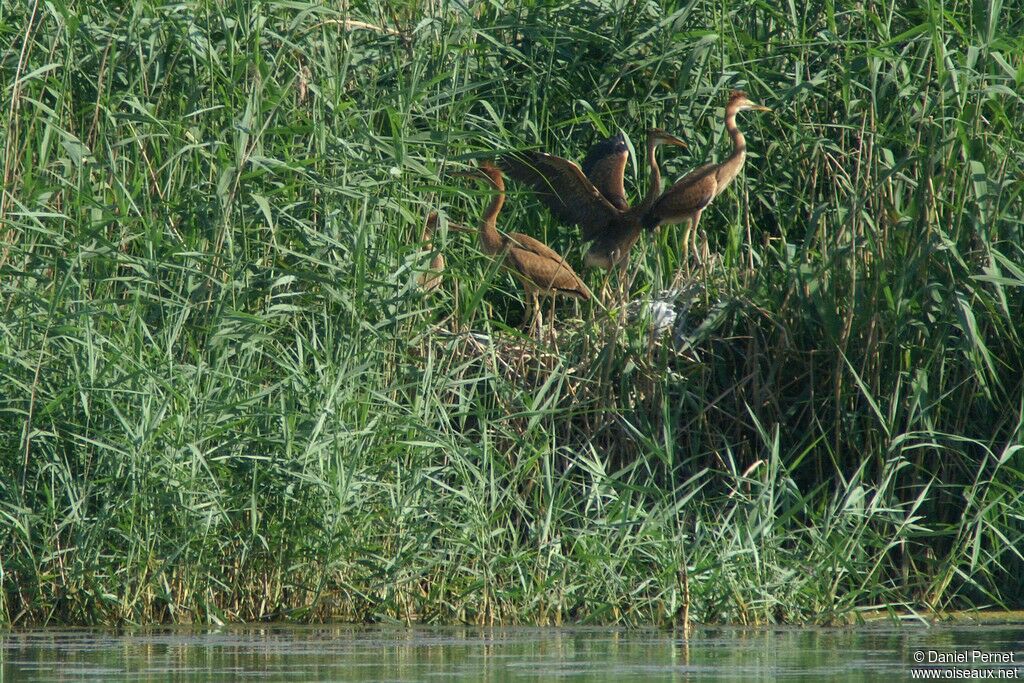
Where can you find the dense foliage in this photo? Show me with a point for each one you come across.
(222, 396)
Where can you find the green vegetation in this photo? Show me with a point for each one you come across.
(222, 397)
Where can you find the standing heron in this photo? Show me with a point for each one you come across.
(609, 223)
(687, 199)
(539, 269)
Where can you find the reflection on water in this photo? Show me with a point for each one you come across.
(326, 653)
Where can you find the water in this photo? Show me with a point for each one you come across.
(335, 653)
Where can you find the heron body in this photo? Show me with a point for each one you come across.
(687, 199)
(598, 207)
(539, 269)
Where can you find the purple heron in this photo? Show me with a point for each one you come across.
(605, 167)
(539, 269)
(599, 207)
(687, 199)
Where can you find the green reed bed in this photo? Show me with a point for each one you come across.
(223, 398)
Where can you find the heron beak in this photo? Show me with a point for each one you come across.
(758, 107)
(672, 140)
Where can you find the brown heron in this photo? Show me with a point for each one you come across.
(609, 223)
(537, 267)
(430, 279)
(605, 167)
(686, 199)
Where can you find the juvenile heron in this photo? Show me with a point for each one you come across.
(539, 269)
(603, 215)
(687, 199)
(605, 167)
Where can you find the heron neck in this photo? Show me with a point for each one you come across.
(490, 239)
(730, 168)
(739, 143)
(494, 208)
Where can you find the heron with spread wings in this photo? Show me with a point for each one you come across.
(593, 199)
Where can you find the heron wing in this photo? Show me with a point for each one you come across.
(563, 188)
(605, 166)
(535, 246)
(690, 194)
(538, 264)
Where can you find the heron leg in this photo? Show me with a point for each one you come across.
(604, 283)
(620, 277)
(551, 320)
(538, 313)
(693, 231)
(633, 273)
(685, 256)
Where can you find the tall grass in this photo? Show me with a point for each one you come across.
(223, 398)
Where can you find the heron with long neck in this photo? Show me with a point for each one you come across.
(602, 214)
(687, 199)
(539, 269)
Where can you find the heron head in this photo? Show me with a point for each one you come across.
(657, 136)
(738, 101)
(486, 171)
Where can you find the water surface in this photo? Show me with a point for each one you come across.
(335, 653)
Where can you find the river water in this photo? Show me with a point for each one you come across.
(346, 653)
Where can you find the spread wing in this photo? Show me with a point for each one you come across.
(605, 166)
(563, 188)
